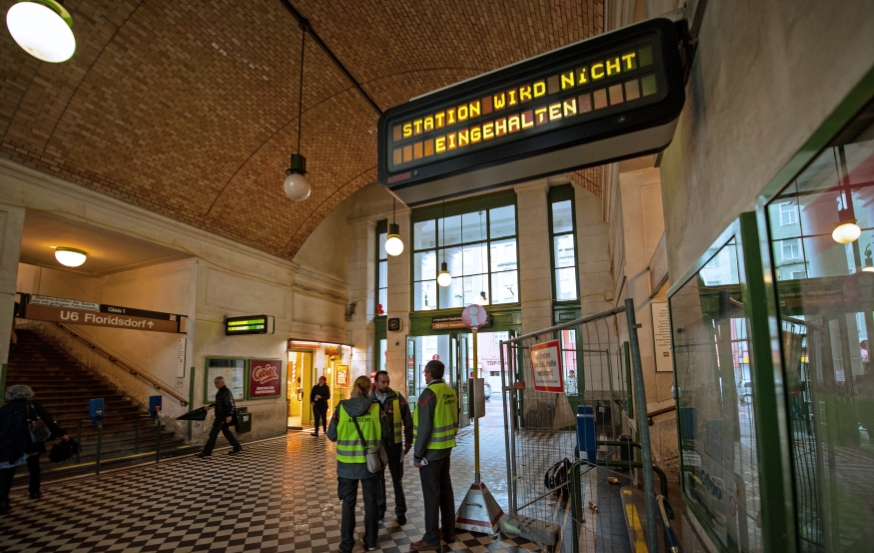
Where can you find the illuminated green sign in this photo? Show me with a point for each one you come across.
(249, 324)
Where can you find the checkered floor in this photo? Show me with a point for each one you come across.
(278, 495)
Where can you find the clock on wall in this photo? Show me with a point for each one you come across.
(395, 324)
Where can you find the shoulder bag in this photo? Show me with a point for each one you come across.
(40, 433)
(376, 457)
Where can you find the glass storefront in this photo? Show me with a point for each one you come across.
(821, 228)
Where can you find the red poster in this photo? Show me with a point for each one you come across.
(265, 378)
(546, 367)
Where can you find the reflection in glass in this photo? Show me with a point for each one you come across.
(425, 295)
(473, 226)
(713, 371)
(502, 222)
(451, 234)
(565, 284)
(424, 235)
(503, 255)
(504, 287)
(562, 217)
(825, 305)
(425, 265)
(564, 250)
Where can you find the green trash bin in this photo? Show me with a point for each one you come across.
(244, 420)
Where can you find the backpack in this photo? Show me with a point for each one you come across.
(556, 478)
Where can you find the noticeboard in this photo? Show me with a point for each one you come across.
(234, 372)
(546, 367)
(611, 97)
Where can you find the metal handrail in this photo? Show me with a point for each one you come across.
(657, 412)
(136, 372)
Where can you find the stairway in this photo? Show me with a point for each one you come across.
(63, 386)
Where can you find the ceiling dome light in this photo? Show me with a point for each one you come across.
(444, 279)
(394, 246)
(296, 185)
(70, 257)
(44, 30)
(846, 232)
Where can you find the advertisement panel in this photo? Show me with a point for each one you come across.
(264, 378)
(546, 367)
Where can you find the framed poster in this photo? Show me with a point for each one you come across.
(265, 378)
(661, 337)
(342, 379)
(546, 367)
(234, 372)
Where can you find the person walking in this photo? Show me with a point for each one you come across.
(16, 445)
(319, 397)
(396, 413)
(435, 423)
(224, 414)
(356, 420)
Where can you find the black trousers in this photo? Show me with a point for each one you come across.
(439, 500)
(6, 476)
(396, 469)
(347, 491)
(321, 413)
(220, 425)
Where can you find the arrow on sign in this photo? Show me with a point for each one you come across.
(151, 324)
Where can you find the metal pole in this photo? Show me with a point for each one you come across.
(99, 444)
(158, 441)
(642, 428)
(504, 395)
(476, 477)
(190, 401)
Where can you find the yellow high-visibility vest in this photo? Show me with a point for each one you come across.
(396, 419)
(349, 446)
(445, 417)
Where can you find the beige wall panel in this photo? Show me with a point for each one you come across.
(244, 295)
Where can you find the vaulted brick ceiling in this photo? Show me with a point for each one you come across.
(189, 107)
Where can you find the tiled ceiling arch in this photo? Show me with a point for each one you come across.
(189, 107)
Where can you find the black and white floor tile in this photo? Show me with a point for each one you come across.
(278, 495)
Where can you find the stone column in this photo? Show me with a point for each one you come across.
(11, 229)
(362, 291)
(399, 286)
(535, 273)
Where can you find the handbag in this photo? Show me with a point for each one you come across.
(40, 433)
(376, 457)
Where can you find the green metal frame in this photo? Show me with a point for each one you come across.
(381, 227)
(774, 463)
(206, 382)
(379, 333)
(459, 207)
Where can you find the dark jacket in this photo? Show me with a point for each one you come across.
(426, 406)
(14, 433)
(388, 409)
(224, 403)
(324, 392)
(355, 407)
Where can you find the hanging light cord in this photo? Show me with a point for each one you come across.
(303, 41)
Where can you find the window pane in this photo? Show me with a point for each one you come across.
(424, 236)
(452, 257)
(382, 237)
(502, 221)
(503, 255)
(505, 288)
(826, 326)
(566, 284)
(715, 406)
(562, 217)
(425, 295)
(452, 295)
(382, 302)
(473, 226)
(563, 250)
(474, 259)
(383, 350)
(476, 289)
(383, 274)
(721, 269)
(452, 233)
(425, 265)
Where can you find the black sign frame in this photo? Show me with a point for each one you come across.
(269, 325)
(609, 124)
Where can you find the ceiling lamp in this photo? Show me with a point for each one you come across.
(70, 257)
(444, 279)
(296, 186)
(43, 28)
(394, 246)
(846, 230)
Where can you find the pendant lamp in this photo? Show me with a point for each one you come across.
(43, 28)
(394, 246)
(444, 279)
(846, 230)
(296, 185)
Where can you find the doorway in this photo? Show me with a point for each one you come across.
(301, 376)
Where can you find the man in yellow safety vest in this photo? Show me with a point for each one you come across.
(435, 425)
(397, 443)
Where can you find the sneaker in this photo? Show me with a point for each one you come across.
(422, 545)
(369, 547)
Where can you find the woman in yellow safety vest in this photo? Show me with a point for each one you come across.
(352, 440)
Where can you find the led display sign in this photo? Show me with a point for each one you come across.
(249, 324)
(604, 99)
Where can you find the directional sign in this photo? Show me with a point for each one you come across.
(63, 310)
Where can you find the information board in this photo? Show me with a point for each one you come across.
(234, 372)
(546, 366)
(64, 310)
(614, 96)
(249, 324)
(661, 335)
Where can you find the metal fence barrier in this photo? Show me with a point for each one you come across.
(582, 510)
